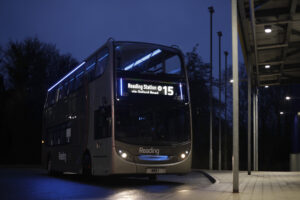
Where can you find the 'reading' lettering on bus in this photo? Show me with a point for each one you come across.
(149, 151)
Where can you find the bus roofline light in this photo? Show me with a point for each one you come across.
(121, 86)
(78, 75)
(139, 61)
(100, 59)
(180, 87)
(66, 76)
(89, 67)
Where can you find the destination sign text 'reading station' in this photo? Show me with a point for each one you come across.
(138, 88)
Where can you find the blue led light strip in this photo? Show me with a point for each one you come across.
(121, 86)
(66, 76)
(154, 157)
(100, 59)
(173, 71)
(157, 51)
(180, 87)
(89, 67)
(78, 75)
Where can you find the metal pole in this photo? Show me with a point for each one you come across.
(211, 10)
(256, 123)
(249, 118)
(225, 130)
(219, 114)
(235, 100)
(254, 127)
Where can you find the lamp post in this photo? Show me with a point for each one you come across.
(211, 11)
(235, 97)
(220, 119)
(225, 96)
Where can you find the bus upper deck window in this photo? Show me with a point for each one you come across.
(173, 65)
(101, 63)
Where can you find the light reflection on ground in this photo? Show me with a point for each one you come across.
(35, 184)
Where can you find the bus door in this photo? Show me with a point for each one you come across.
(102, 139)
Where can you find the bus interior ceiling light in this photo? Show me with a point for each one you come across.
(268, 29)
(66, 76)
(157, 51)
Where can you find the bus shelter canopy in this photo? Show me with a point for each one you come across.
(269, 32)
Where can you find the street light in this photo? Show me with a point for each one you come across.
(281, 113)
(211, 11)
(220, 123)
(225, 130)
(266, 86)
(267, 66)
(231, 81)
(287, 98)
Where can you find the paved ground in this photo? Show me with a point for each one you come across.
(35, 184)
(258, 186)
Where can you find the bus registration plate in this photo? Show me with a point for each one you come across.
(156, 171)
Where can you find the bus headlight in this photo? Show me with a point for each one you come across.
(184, 154)
(123, 154)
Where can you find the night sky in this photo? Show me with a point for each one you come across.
(80, 27)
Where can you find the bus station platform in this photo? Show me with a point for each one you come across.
(260, 185)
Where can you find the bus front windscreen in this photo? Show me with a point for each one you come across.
(152, 125)
(151, 95)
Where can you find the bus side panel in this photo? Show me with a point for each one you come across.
(68, 113)
(100, 101)
(122, 166)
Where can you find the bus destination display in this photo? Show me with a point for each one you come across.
(151, 89)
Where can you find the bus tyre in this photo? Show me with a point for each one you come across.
(86, 165)
(153, 177)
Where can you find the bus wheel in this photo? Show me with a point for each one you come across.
(153, 177)
(86, 165)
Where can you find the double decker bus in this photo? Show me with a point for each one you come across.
(124, 110)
